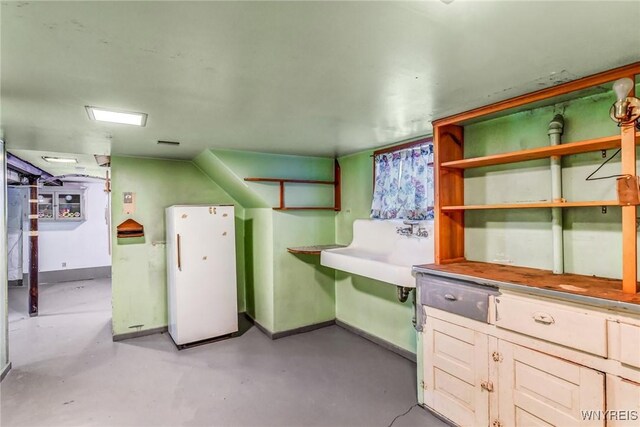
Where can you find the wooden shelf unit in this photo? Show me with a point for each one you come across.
(597, 144)
(337, 194)
(450, 165)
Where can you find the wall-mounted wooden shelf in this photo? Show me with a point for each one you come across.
(450, 165)
(282, 181)
(597, 144)
(589, 203)
(312, 250)
(306, 208)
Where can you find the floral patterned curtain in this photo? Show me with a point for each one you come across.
(404, 184)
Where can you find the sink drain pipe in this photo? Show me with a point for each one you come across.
(555, 130)
(403, 293)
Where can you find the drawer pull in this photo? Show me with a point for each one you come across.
(543, 318)
(450, 297)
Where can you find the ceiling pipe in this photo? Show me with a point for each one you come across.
(555, 130)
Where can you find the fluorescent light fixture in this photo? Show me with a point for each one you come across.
(112, 116)
(59, 159)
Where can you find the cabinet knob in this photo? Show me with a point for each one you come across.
(450, 297)
(487, 385)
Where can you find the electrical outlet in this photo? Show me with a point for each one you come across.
(64, 264)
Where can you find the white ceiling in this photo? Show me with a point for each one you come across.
(315, 78)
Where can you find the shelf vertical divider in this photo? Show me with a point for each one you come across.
(449, 190)
(629, 213)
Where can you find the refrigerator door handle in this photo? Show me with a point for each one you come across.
(179, 258)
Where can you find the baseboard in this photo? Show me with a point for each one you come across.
(137, 334)
(261, 328)
(302, 329)
(289, 332)
(5, 371)
(74, 274)
(376, 340)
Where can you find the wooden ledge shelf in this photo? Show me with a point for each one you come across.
(589, 203)
(312, 250)
(306, 208)
(597, 144)
(497, 274)
(298, 181)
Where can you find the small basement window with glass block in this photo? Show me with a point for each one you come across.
(403, 181)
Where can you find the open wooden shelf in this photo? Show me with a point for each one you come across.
(306, 208)
(312, 250)
(298, 181)
(533, 205)
(596, 144)
(450, 165)
(337, 194)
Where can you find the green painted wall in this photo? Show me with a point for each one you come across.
(247, 164)
(284, 291)
(592, 240)
(259, 267)
(139, 267)
(365, 303)
(304, 290)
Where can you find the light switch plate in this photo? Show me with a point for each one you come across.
(128, 202)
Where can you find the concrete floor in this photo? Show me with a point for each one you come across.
(68, 371)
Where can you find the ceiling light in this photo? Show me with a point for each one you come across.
(111, 116)
(59, 159)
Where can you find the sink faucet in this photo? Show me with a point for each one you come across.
(413, 229)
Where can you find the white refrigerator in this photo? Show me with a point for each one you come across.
(201, 272)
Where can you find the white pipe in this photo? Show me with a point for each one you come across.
(556, 127)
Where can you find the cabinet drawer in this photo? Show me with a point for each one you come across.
(568, 326)
(456, 297)
(630, 345)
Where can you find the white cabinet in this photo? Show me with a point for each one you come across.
(623, 402)
(535, 362)
(537, 389)
(455, 372)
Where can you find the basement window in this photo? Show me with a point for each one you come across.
(403, 181)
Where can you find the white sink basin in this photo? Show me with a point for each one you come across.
(379, 252)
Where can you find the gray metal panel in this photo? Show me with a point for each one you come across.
(455, 296)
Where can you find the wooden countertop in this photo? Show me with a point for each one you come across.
(312, 250)
(588, 289)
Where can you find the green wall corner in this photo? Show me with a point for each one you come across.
(139, 295)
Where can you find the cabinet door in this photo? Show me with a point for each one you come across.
(455, 364)
(540, 390)
(69, 206)
(45, 206)
(623, 402)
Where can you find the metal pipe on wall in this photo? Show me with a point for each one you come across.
(555, 130)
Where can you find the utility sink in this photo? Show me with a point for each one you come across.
(379, 252)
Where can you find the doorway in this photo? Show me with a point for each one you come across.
(58, 219)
